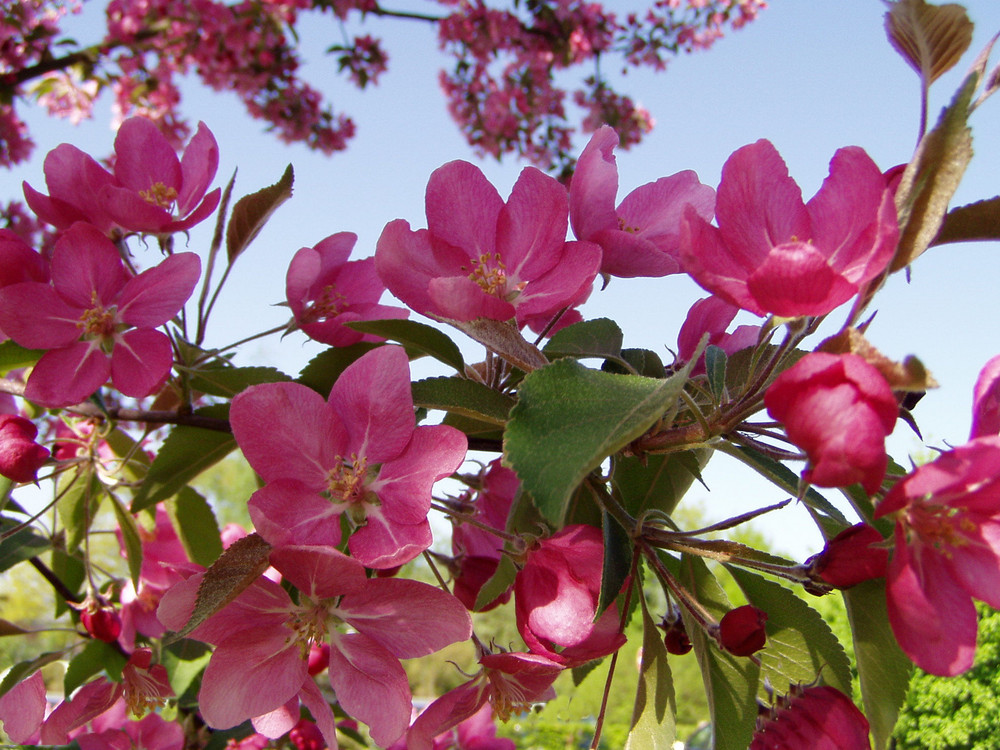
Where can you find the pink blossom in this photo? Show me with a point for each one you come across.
(101, 620)
(773, 254)
(75, 181)
(482, 258)
(986, 401)
(947, 552)
(325, 291)
(556, 594)
(263, 638)
(20, 456)
(817, 716)
(359, 453)
(152, 732)
(839, 410)
(508, 683)
(641, 236)
(712, 315)
(96, 320)
(154, 191)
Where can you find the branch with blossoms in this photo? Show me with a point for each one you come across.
(569, 476)
(501, 88)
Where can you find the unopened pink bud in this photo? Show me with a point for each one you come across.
(101, 621)
(850, 558)
(20, 455)
(306, 736)
(319, 658)
(741, 630)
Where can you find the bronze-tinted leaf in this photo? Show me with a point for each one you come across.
(974, 222)
(251, 213)
(931, 38)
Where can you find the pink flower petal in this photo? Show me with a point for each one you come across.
(531, 227)
(22, 709)
(144, 157)
(63, 377)
(85, 265)
(285, 511)
(594, 186)
(141, 362)
(795, 279)
(319, 572)
(157, 294)
(36, 317)
(91, 700)
(463, 208)
(449, 710)
(198, 167)
(382, 543)
(461, 298)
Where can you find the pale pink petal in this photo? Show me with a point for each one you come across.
(933, 619)
(250, 675)
(594, 186)
(370, 685)
(374, 399)
(198, 166)
(531, 227)
(321, 712)
(157, 294)
(63, 377)
(280, 721)
(408, 618)
(285, 511)
(446, 712)
(144, 157)
(36, 317)
(22, 709)
(288, 430)
(89, 701)
(85, 266)
(141, 362)
(152, 732)
(463, 208)
(710, 315)
(319, 572)
(578, 266)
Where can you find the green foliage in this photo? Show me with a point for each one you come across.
(956, 713)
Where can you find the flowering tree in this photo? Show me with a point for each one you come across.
(501, 87)
(291, 634)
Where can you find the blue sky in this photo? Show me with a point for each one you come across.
(809, 76)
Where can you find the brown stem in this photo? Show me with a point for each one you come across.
(55, 581)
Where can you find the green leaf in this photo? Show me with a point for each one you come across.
(196, 526)
(730, 681)
(465, 397)
(589, 338)
(94, 657)
(418, 337)
(800, 645)
(14, 357)
(474, 428)
(652, 726)
(323, 370)
(786, 479)
(972, 223)
(134, 461)
(569, 419)
(131, 538)
(81, 494)
(715, 369)
(186, 453)
(251, 213)
(24, 669)
(503, 338)
(9, 628)
(645, 362)
(883, 669)
(19, 546)
(498, 583)
(617, 562)
(226, 382)
(932, 176)
(71, 571)
(658, 482)
(184, 662)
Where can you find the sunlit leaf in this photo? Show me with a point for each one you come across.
(653, 726)
(465, 397)
(95, 657)
(251, 213)
(196, 526)
(130, 537)
(972, 223)
(416, 337)
(226, 382)
(589, 338)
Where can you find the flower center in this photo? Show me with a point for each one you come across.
(942, 526)
(159, 195)
(626, 227)
(507, 696)
(491, 274)
(328, 304)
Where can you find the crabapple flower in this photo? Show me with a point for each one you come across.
(817, 716)
(75, 181)
(852, 556)
(476, 551)
(641, 237)
(20, 456)
(325, 291)
(712, 315)
(358, 453)
(482, 258)
(153, 190)
(839, 410)
(96, 320)
(507, 683)
(986, 401)
(556, 595)
(263, 639)
(741, 630)
(947, 552)
(773, 254)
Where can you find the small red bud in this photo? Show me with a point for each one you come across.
(675, 637)
(101, 621)
(20, 455)
(319, 658)
(850, 558)
(306, 736)
(741, 630)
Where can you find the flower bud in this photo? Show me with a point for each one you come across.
(306, 736)
(741, 630)
(101, 620)
(850, 558)
(675, 637)
(815, 716)
(319, 658)
(20, 455)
